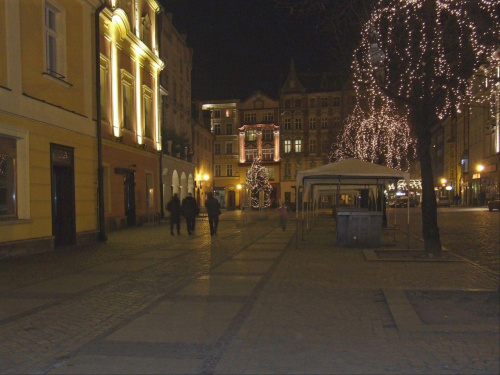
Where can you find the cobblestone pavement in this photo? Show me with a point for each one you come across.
(472, 232)
(254, 299)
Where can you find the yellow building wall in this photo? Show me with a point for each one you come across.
(85, 165)
(3, 45)
(37, 85)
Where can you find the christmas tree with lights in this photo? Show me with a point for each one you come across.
(257, 182)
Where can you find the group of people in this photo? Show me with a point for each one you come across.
(190, 210)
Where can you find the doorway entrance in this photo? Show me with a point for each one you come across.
(231, 200)
(63, 195)
(128, 193)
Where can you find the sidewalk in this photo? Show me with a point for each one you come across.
(255, 300)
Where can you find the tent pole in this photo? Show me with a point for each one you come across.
(408, 220)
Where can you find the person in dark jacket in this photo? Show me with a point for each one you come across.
(190, 209)
(213, 211)
(174, 207)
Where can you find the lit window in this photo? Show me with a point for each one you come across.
(228, 112)
(251, 135)
(288, 146)
(298, 145)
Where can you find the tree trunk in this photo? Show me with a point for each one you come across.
(430, 229)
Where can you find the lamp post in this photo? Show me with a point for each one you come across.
(200, 178)
(238, 187)
(482, 195)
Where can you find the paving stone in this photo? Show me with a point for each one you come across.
(194, 305)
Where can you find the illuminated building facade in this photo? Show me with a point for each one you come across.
(129, 99)
(48, 148)
(259, 136)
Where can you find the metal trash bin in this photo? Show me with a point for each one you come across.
(358, 227)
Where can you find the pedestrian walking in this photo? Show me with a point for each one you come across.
(174, 207)
(213, 211)
(190, 209)
(283, 210)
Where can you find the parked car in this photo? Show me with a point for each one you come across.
(443, 202)
(494, 203)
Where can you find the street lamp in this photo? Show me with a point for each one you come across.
(238, 187)
(482, 195)
(199, 183)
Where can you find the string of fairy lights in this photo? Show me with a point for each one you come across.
(378, 135)
(426, 40)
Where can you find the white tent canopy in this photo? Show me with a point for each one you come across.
(345, 176)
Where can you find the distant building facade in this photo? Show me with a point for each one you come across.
(466, 147)
(291, 133)
(203, 141)
(226, 174)
(312, 110)
(177, 129)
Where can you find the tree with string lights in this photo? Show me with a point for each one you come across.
(377, 135)
(257, 182)
(421, 56)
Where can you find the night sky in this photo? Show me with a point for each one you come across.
(245, 45)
